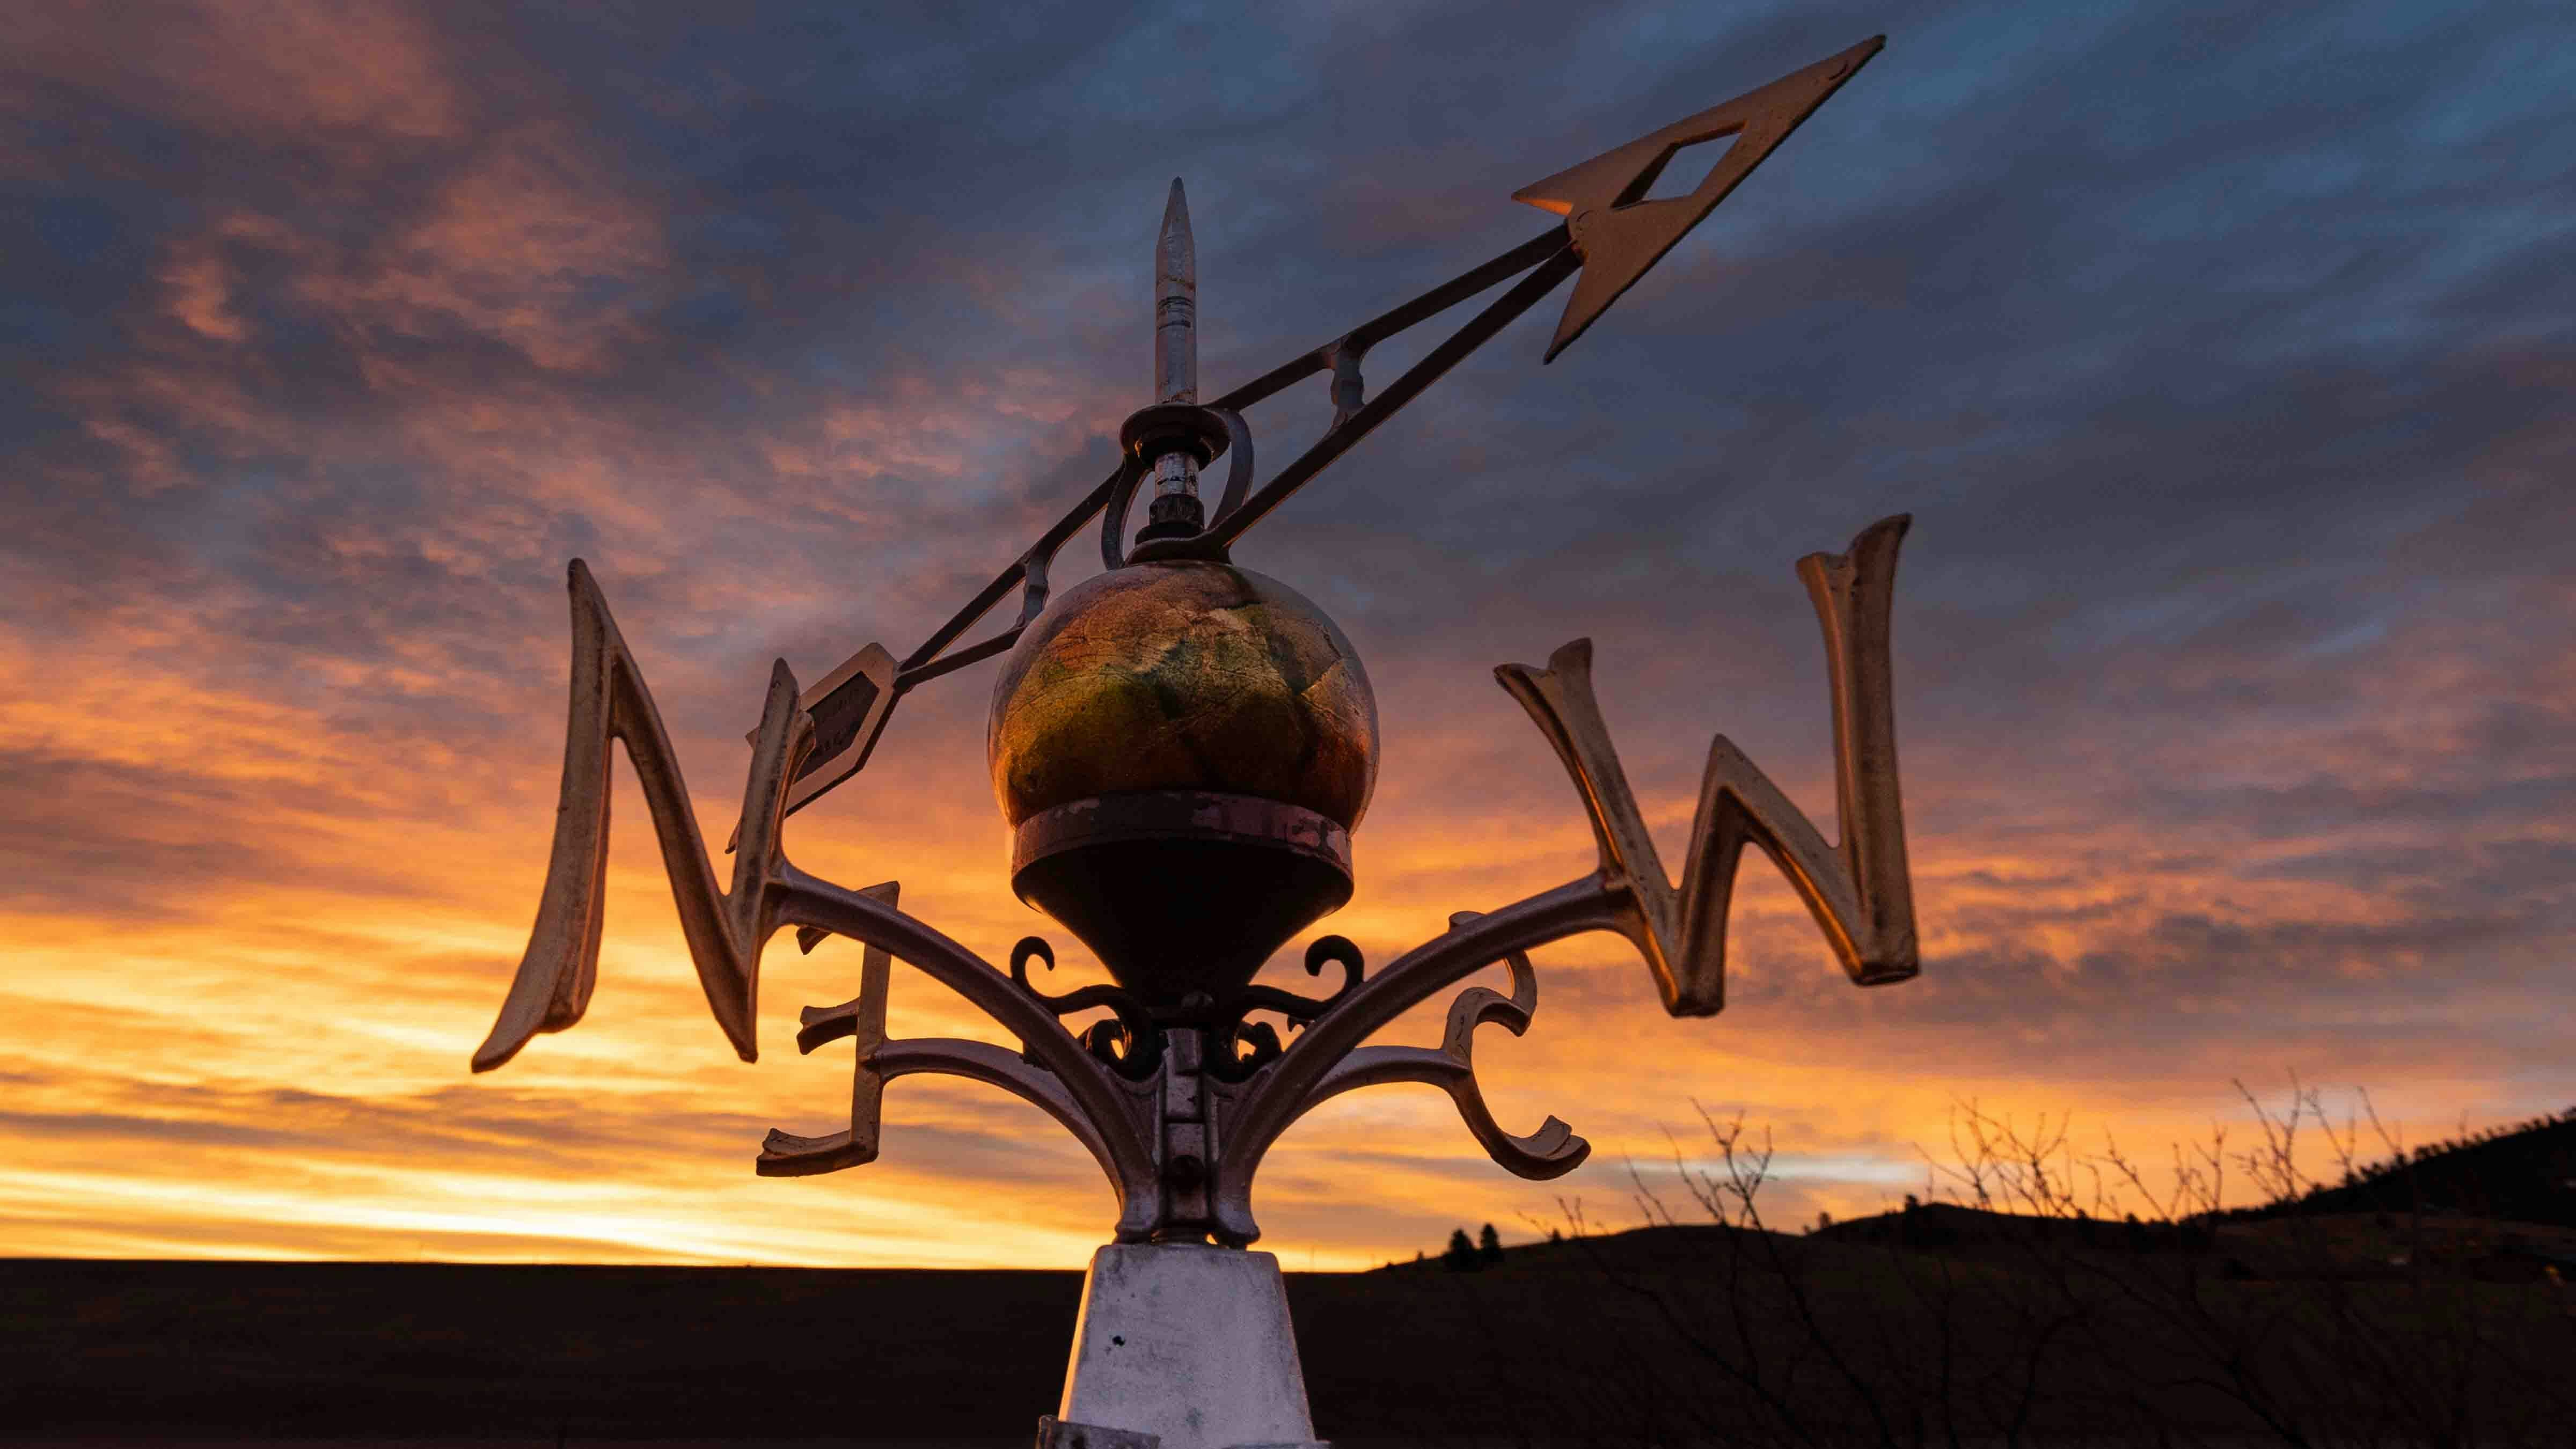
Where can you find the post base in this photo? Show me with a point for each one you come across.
(1189, 1344)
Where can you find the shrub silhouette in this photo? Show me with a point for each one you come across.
(1461, 1255)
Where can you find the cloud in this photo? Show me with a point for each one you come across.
(2220, 358)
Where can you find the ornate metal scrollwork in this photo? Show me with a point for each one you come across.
(1246, 1047)
(1130, 1042)
(1179, 1113)
(1552, 1151)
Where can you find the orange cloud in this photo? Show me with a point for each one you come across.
(398, 330)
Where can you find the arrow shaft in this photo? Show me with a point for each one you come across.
(1549, 251)
(1611, 236)
(1397, 319)
(929, 661)
(1559, 265)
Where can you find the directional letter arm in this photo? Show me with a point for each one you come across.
(862, 1018)
(725, 931)
(1859, 890)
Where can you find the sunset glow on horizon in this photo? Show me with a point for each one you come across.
(2236, 693)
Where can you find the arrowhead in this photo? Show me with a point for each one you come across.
(1620, 235)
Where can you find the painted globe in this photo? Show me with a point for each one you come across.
(1183, 675)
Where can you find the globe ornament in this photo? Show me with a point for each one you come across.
(1182, 748)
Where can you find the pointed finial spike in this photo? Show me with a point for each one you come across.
(1176, 304)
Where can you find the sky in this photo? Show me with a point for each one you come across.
(2221, 354)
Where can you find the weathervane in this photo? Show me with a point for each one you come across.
(1182, 748)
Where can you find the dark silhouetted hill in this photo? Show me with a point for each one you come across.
(1659, 1335)
(2523, 1174)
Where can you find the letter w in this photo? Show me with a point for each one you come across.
(1859, 891)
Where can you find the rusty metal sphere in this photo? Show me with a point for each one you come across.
(1183, 675)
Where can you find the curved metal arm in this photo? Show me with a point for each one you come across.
(785, 1154)
(1113, 518)
(1283, 1093)
(1137, 1193)
(1552, 1151)
(806, 900)
(1238, 469)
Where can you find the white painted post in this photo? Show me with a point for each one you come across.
(1188, 1343)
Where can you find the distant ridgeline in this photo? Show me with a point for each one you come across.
(2521, 1174)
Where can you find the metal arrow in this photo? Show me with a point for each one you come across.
(1613, 233)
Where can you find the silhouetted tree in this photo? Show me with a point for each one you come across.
(1489, 1245)
(1461, 1257)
